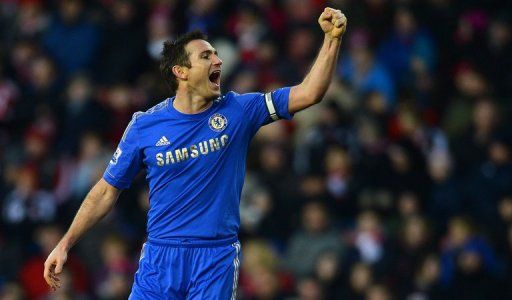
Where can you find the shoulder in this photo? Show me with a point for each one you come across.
(152, 113)
(241, 99)
(146, 119)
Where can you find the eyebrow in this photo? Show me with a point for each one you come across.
(209, 52)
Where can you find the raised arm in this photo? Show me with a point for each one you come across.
(95, 206)
(312, 89)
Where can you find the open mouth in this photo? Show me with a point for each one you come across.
(215, 77)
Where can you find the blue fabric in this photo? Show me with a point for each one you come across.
(195, 164)
(167, 272)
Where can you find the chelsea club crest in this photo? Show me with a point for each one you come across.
(218, 122)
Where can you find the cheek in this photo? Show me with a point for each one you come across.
(199, 75)
(194, 76)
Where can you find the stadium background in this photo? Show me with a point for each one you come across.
(397, 186)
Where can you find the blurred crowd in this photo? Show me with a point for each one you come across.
(397, 186)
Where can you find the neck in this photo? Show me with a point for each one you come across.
(188, 103)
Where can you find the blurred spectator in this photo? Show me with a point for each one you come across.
(468, 258)
(41, 91)
(276, 176)
(91, 161)
(409, 50)
(425, 284)
(378, 292)
(328, 271)
(21, 55)
(309, 289)
(362, 70)
(72, 39)
(273, 14)
(201, 15)
(316, 237)
(330, 129)
(471, 281)
(80, 114)
(367, 241)
(119, 102)
(76, 177)
(406, 170)
(359, 281)
(300, 48)
(488, 182)
(472, 89)
(445, 199)
(115, 278)
(27, 205)
(122, 55)
(159, 30)
(31, 19)
(408, 207)
(248, 28)
(413, 245)
(260, 277)
(255, 207)
(371, 169)
(11, 291)
(43, 86)
(338, 176)
(470, 148)
(301, 11)
(499, 44)
(471, 27)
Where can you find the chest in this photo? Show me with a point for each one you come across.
(176, 144)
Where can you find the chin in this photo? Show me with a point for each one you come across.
(212, 92)
(216, 93)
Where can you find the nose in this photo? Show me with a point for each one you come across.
(216, 60)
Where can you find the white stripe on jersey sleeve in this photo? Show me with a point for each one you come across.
(270, 107)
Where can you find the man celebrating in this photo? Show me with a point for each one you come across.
(194, 147)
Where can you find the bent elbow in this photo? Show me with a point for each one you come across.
(316, 97)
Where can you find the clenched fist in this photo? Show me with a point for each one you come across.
(333, 22)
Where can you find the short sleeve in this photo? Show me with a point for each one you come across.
(262, 109)
(127, 160)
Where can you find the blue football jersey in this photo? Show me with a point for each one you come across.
(195, 163)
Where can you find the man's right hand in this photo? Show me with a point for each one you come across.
(333, 23)
(53, 266)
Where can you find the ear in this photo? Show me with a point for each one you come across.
(180, 72)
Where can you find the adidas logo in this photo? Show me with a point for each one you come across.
(163, 141)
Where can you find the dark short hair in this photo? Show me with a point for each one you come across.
(174, 53)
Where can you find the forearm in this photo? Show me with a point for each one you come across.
(319, 77)
(98, 202)
(314, 86)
